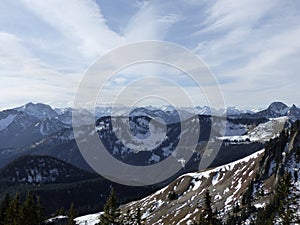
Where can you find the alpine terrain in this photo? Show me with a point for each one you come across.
(253, 178)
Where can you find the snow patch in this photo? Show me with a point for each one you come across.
(4, 123)
(90, 219)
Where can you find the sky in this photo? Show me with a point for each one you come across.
(251, 46)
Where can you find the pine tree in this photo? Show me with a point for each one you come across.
(3, 208)
(247, 196)
(60, 211)
(207, 216)
(207, 207)
(111, 211)
(282, 199)
(71, 215)
(12, 213)
(28, 211)
(266, 216)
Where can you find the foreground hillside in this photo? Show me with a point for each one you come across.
(263, 188)
(250, 189)
(178, 203)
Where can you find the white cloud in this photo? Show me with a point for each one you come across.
(80, 22)
(22, 76)
(252, 46)
(149, 23)
(73, 34)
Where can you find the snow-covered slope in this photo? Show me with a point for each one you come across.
(20, 129)
(226, 184)
(263, 132)
(39, 110)
(244, 187)
(6, 120)
(91, 219)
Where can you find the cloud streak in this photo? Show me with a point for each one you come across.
(251, 46)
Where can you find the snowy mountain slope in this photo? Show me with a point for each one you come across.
(129, 152)
(39, 110)
(19, 128)
(66, 117)
(294, 113)
(91, 219)
(241, 191)
(225, 182)
(246, 187)
(262, 133)
(6, 120)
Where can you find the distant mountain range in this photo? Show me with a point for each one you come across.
(37, 144)
(276, 109)
(39, 129)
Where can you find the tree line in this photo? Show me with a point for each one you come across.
(13, 211)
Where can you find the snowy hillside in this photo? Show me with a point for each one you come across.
(263, 132)
(245, 187)
(226, 183)
(158, 208)
(91, 219)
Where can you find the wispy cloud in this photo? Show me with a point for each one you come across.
(80, 22)
(149, 23)
(254, 43)
(251, 46)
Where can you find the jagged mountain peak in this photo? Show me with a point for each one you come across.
(38, 110)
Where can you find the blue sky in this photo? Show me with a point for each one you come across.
(252, 46)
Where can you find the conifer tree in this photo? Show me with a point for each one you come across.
(12, 214)
(60, 211)
(207, 207)
(28, 211)
(207, 216)
(111, 212)
(3, 208)
(71, 215)
(282, 199)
